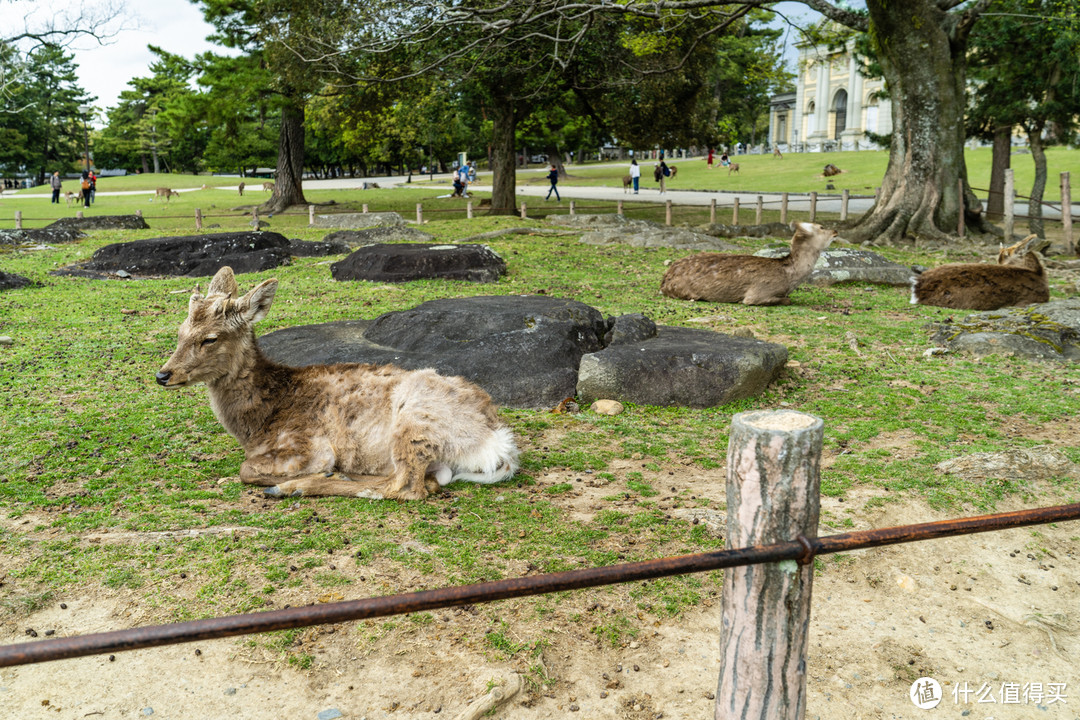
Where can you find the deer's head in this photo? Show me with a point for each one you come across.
(216, 338)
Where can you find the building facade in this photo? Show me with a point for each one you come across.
(833, 106)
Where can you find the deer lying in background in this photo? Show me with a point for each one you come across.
(747, 279)
(353, 430)
(1019, 278)
(165, 193)
(268, 186)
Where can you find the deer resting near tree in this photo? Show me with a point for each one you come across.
(1019, 278)
(747, 279)
(353, 430)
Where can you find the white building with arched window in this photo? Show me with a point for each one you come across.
(832, 107)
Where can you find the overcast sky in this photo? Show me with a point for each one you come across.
(104, 70)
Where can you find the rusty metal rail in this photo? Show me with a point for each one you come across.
(801, 550)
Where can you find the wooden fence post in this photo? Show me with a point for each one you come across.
(79, 214)
(735, 211)
(419, 213)
(468, 210)
(310, 214)
(198, 219)
(523, 215)
(667, 213)
(960, 220)
(1066, 214)
(783, 207)
(18, 220)
(363, 208)
(844, 197)
(712, 211)
(255, 217)
(573, 208)
(758, 210)
(138, 213)
(619, 208)
(1010, 199)
(773, 481)
(813, 206)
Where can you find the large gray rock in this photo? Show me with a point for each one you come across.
(386, 234)
(101, 222)
(839, 265)
(402, 262)
(358, 220)
(645, 233)
(11, 281)
(774, 229)
(523, 350)
(680, 366)
(588, 221)
(528, 351)
(37, 236)
(316, 248)
(1046, 331)
(191, 255)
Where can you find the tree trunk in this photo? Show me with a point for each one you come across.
(288, 185)
(1038, 154)
(925, 69)
(995, 205)
(504, 183)
(555, 158)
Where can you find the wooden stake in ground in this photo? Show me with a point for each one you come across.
(772, 496)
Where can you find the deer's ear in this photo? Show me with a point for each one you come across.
(224, 282)
(256, 303)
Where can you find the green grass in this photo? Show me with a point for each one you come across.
(93, 447)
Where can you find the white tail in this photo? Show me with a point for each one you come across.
(349, 429)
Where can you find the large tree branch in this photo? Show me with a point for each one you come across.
(847, 18)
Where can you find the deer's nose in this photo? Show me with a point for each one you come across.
(163, 377)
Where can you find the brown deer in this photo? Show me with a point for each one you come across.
(776, 152)
(733, 168)
(627, 183)
(1019, 278)
(268, 187)
(165, 193)
(352, 430)
(747, 279)
(240, 188)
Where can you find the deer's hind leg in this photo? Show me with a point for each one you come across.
(312, 474)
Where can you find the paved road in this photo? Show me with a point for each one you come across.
(747, 200)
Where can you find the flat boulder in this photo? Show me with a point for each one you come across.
(680, 366)
(101, 222)
(357, 220)
(387, 234)
(402, 262)
(316, 248)
(1045, 331)
(645, 233)
(11, 281)
(774, 229)
(840, 265)
(524, 350)
(40, 236)
(189, 256)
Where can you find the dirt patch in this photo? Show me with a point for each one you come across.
(989, 610)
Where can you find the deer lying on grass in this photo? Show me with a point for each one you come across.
(1019, 278)
(353, 430)
(165, 193)
(747, 279)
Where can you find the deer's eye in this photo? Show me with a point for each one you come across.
(209, 341)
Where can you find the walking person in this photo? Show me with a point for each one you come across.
(85, 187)
(93, 186)
(661, 173)
(635, 174)
(56, 185)
(553, 176)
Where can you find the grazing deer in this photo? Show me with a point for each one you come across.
(165, 193)
(1019, 278)
(69, 196)
(747, 279)
(627, 183)
(268, 186)
(776, 152)
(241, 187)
(733, 168)
(349, 429)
